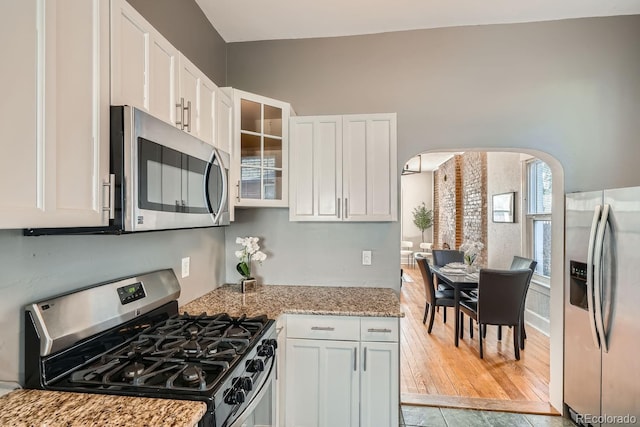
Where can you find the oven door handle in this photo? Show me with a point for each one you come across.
(255, 401)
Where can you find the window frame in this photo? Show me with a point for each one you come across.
(529, 220)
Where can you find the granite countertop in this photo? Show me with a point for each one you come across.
(274, 300)
(53, 408)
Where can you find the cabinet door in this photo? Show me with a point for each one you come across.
(379, 388)
(322, 383)
(129, 56)
(315, 165)
(260, 153)
(207, 110)
(56, 136)
(21, 114)
(224, 122)
(189, 84)
(163, 78)
(369, 167)
(78, 121)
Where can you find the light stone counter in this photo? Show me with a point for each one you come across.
(274, 300)
(52, 409)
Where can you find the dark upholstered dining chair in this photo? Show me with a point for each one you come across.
(445, 256)
(519, 263)
(501, 297)
(434, 298)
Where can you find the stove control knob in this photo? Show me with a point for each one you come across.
(265, 350)
(244, 383)
(255, 365)
(234, 396)
(273, 343)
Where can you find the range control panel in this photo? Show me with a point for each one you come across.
(131, 293)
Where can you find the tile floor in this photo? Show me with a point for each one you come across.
(425, 416)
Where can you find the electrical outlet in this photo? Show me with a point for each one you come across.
(185, 266)
(366, 257)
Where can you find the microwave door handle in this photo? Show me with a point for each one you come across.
(597, 277)
(590, 277)
(223, 202)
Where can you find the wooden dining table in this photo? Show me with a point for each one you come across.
(459, 281)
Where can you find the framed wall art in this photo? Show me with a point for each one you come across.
(503, 207)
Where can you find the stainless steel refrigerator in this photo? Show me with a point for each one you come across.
(602, 307)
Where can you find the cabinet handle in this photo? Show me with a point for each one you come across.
(238, 191)
(385, 330)
(278, 330)
(346, 208)
(188, 108)
(322, 328)
(355, 358)
(108, 185)
(181, 107)
(339, 202)
(364, 360)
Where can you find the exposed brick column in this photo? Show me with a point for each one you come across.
(460, 202)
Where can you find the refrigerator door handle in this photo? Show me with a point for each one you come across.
(597, 275)
(590, 278)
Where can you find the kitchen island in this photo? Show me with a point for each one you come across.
(275, 300)
(53, 408)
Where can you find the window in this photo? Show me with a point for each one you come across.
(538, 218)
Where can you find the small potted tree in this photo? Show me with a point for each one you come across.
(422, 218)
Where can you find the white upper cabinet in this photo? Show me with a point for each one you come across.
(224, 121)
(344, 168)
(144, 65)
(315, 160)
(370, 167)
(260, 151)
(55, 115)
(163, 70)
(149, 73)
(197, 102)
(130, 34)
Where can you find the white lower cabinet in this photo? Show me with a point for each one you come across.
(379, 384)
(335, 379)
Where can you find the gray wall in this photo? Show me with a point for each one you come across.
(328, 254)
(504, 174)
(33, 268)
(186, 27)
(416, 188)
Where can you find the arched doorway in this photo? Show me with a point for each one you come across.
(555, 339)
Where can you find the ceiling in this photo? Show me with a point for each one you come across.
(250, 20)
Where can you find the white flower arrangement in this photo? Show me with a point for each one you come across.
(250, 251)
(471, 250)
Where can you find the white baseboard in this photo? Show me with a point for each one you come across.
(538, 322)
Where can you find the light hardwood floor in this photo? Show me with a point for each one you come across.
(435, 372)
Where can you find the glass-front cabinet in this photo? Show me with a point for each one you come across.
(260, 155)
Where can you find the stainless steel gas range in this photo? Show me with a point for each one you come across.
(126, 337)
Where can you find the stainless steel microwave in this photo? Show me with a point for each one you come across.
(161, 178)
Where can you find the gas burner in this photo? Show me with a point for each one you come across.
(192, 346)
(193, 374)
(133, 370)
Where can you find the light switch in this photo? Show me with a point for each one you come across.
(366, 257)
(185, 266)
